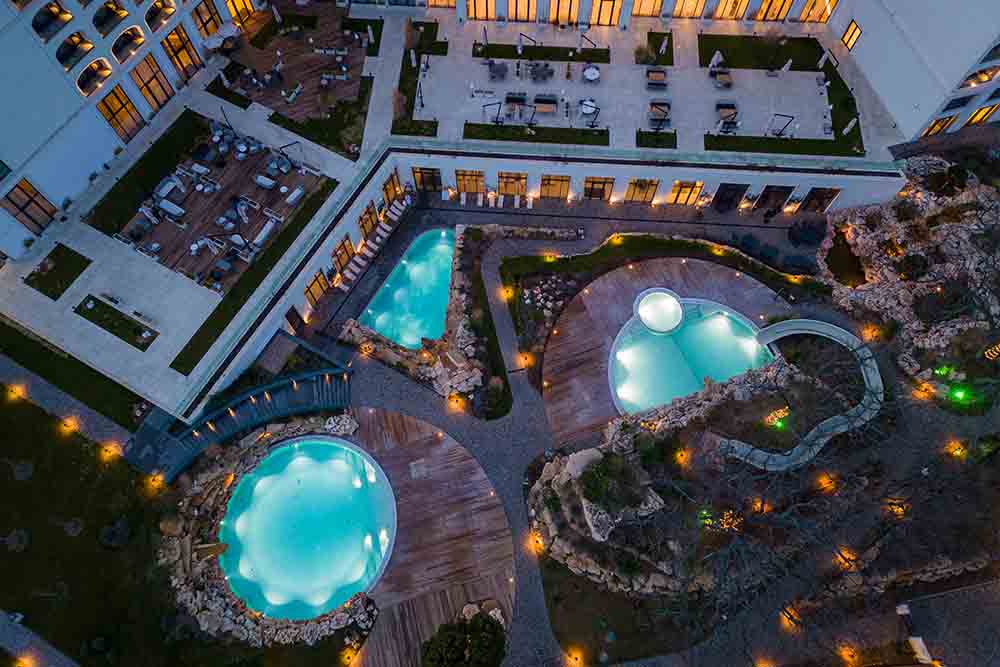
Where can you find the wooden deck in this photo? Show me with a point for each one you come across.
(301, 64)
(201, 211)
(453, 543)
(577, 396)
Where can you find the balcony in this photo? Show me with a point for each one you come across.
(159, 13)
(73, 50)
(93, 77)
(127, 43)
(49, 20)
(108, 16)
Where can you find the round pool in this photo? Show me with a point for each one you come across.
(661, 354)
(310, 526)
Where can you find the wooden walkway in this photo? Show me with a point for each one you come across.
(577, 396)
(453, 543)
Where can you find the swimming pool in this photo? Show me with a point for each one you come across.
(310, 526)
(413, 302)
(648, 368)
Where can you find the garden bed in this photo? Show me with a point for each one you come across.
(119, 205)
(117, 323)
(537, 134)
(664, 139)
(425, 43)
(650, 54)
(533, 52)
(57, 271)
(342, 131)
(220, 90)
(234, 300)
(360, 26)
(767, 53)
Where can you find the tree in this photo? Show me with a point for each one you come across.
(479, 642)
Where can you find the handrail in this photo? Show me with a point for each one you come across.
(283, 381)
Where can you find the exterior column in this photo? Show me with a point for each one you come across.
(583, 13)
(461, 10)
(626, 14)
(667, 8)
(542, 11)
(796, 11)
(752, 9)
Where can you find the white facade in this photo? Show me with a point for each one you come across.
(53, 134)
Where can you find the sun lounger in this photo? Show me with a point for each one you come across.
(461, 198)
(349, 272)
(479, 199)
(517, 201)
(500, 200)
(531, 203)
(384, 227)
(656, 78)
(445, 195)
(367, 252)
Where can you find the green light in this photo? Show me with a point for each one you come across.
(960, 394)
(779, 424)
(942, 370)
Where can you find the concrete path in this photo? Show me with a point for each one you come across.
(814, 441)
(59, 404)
(385, 68)
(22, 643)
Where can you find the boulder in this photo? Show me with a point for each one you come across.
(469, 611)
(171, 525)
(209, 621)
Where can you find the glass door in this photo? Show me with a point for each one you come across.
(773, 10)
(731, 9)
(241, 10)
(563, 12)
(647, 8)
(521, 10)
(689, 9)
(606, 12)
(482, 10)
(818, 11)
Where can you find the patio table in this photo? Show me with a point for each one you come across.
(588, 106)
(592, 73)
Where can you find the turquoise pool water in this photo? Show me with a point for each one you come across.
(413, 301)
(647, 369)
(309, 527)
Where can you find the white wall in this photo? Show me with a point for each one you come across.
(916, 52)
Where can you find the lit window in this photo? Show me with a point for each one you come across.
(641, 190)
(958, 103)
(818, 11)
(510, 183)
(684, 193)
(118, 110)
(981, 77)
(939, 126)
(554, 187)
(29, 206)
(982, 115)
(427, 180)
(598, 187)
(851, 35)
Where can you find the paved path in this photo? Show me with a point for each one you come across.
(21, 642)
(816, 439)
(58, 403)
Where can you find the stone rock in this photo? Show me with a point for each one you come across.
(497, 615)
(274, 429)
(599, 520)
(206, 551)
(171, 525)
(469, 611)
(576, 463)
(651, 503)
(341, 425)
(209, 622)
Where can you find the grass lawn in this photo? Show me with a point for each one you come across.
(582, 615)
(122, 202)
(744, 52)
(653, 42)
(407, 86)
(664, 139)
(218, 88)
(288, 20)
(361, 26)
(116, 322)
(74, 377)
(57, 271)
(345, 126)
(539, 134)
(484, 328)
(532, 52)
(237, 296)
(101, 606)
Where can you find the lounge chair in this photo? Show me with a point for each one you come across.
(479, 199)
(531, 203)
(656, 78)
(500, 200)
(517, 201)
(461, 198)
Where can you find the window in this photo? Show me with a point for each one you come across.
(343, 253)
(152, 83)
(29, 207)
(818, 11)
(127, 44)
(982, 115)
(981, 77)
(521, 10)
(641, 190)
(108, 16)
(684, 193)
(773, 10)
(427, 180)
(159, 13)
(647, 8)
(564, 12)
(368, 221)
(317, 288)
(994, 54)
(513, 184)
(554, 187)
(93, 76)
(819, 199)
(939, 126)
(606, 12)
(391, 189)
(689, 9)
(441, 3)
(595, 187)
(118, 110)
(73, 50)
(182, 54)
(470, 181)
(958, 103)
(206, 18)
(851, 35)
(731, 9)
(50, 19)
(482, 10)
(240, 10)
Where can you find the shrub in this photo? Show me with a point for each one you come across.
(936, 307)
(947, 183)
(807, 232)
(644, 55)
(905, 210)
(799, 264)
(873, 220)
(611, 483)
(476, 643)
(912, 267)
(769, 254)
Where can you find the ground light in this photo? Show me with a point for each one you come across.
(960, 394)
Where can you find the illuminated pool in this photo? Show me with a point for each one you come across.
(671, 344)
(310, 526)
(413, 302)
